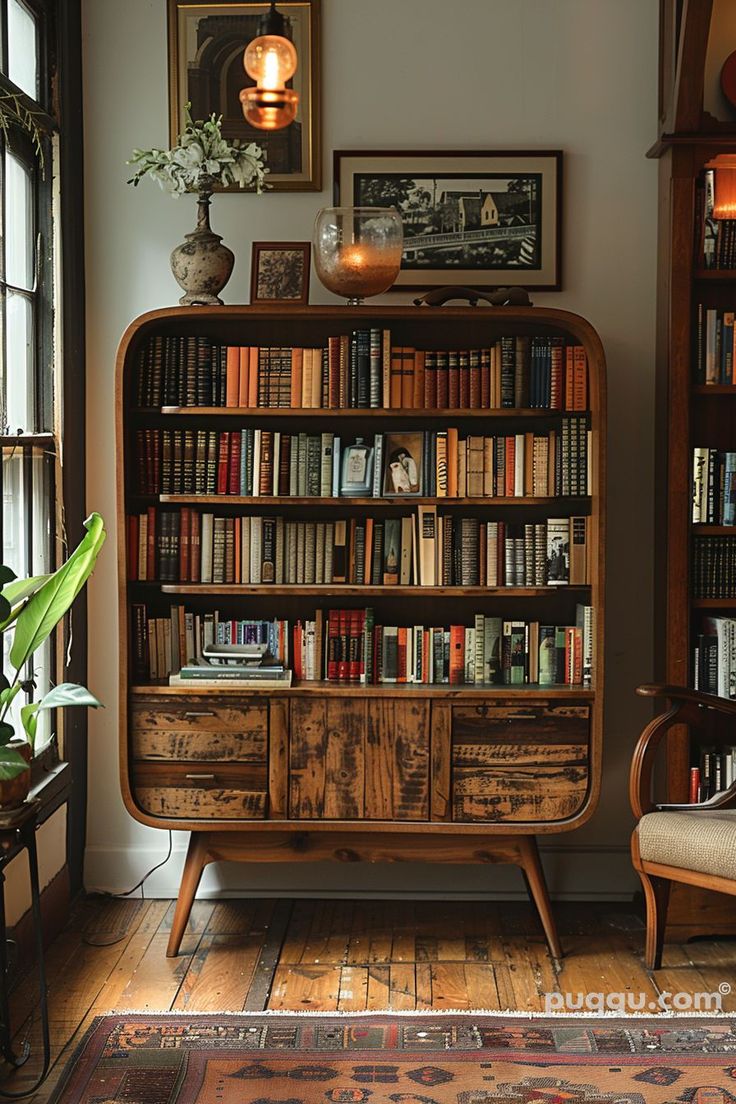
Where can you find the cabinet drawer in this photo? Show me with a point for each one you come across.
(514, 761)
(208, 791)
(198, 729)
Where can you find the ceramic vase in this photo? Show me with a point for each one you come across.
(202, 265)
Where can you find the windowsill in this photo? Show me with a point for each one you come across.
(51, 785)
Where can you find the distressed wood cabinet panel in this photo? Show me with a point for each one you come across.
(196, 730)
(519, 762)
(211, 791)
(359, 758)
(397, 736)
(527, 793)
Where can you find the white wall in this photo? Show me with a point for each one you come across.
(579, 75)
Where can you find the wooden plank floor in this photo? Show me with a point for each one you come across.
(342, 955)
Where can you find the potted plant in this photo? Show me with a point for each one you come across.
(31, 609)
(201, 160)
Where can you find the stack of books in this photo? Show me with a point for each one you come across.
(246, 665)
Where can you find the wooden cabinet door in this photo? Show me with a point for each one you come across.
(360, 758)
(519, 761)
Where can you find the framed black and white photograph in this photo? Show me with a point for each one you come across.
(477, 219)
(280, 272)
(206, 46)
(402, 471)
(356, 474)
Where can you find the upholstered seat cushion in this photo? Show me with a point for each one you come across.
(703, 840)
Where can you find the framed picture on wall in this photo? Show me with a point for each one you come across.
(206, 45)
(481, 219)
(280, 272)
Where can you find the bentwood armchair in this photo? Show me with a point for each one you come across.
(694, 844)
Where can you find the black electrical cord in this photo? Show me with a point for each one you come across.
(126, 893)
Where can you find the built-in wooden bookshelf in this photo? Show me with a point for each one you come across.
(380, 771)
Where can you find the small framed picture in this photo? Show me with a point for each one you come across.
(356, 476)
(280, 272)
(402, 471)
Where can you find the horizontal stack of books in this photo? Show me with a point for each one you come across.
(350, 646)
(714, 487)
(425, 548)
(363, 369)
(242, 665)
(260, 462)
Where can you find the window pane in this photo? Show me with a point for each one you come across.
(41, 564)
(22, 48)
(19, 223)
(19, 365)
(15, 548)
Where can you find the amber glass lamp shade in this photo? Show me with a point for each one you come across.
(724, 200)
(357, 250)
(271, 61)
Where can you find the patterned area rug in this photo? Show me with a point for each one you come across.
(477, 1058)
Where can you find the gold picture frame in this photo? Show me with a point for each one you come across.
(205, 68)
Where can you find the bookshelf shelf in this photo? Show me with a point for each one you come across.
(366, 767)
(340, 589)
(711, 390)
(348, 413)
(715, 275)
(480, 693)
(406, 503)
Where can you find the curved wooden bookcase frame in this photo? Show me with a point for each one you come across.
(374, 840)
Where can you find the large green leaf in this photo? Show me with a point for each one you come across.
(48, 605)
(15, 594)
(6, 574)
(59, 697)
(12, 764)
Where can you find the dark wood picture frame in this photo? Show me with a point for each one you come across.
(304, 249)
(457, 214)
(293, 154)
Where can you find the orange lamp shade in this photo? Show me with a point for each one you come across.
(724, 202)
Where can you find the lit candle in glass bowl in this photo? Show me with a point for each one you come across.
(358, 250)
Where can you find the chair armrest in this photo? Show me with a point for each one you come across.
(684, 694)
(687, 707)
(725, 799)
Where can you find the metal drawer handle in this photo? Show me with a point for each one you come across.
(200, 777)
(200, 713)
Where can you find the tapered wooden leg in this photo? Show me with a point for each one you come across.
(536, 885)
(196, 860)
(657, 897)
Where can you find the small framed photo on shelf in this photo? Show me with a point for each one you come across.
(402, 471)
(280, 273)
(356, 474)
(476, 218)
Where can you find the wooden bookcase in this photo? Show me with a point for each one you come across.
(372, 773)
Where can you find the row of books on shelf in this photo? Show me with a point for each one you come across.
(715, 238)
(260, 462)
(714, 657)
(715, 773)
(714, 487)
(351, 646)
(714, 567)
(363, 369)
(420, 549)
(714, 362)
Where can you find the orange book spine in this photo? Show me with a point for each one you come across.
(457, 654)
(510, 466)
(419, 359)
(408, 369)
(232, 375)
(238, 538)
(569, 377)
(452, 462)
(243, 375)
(253, 377)
(396, 365)
(297, 366)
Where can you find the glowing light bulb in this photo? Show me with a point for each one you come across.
(271, 60)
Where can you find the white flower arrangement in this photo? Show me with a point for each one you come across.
(200, 159)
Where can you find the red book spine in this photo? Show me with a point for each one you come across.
(569, 395)
(222, 463)
(556, 376)
(430, 380)
(457, 654)
(233, 483)
(580, 379)
(694, 785)
(401, 654)
(453, 380)
(378, 654)
(297, 644)
(510, 466)
(343, 667)
(443, 383)
(475, 374)
(464, 367)
(501, 554)
(151, 544)
(485, 378)
(195, 556)
(354, 654)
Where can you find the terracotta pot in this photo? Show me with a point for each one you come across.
(15, 791)
(202, 265)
